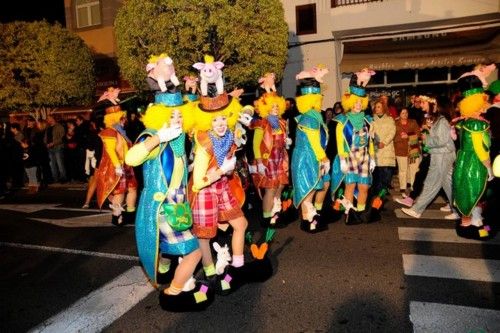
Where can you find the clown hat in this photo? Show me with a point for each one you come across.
(470, 85)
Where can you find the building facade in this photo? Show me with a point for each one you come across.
(412, 44)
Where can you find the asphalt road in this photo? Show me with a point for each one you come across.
(66, 269)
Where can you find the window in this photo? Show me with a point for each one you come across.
(88, 13)
(305, 16)
(340, 3)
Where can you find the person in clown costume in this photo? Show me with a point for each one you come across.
(215, 189)
(164, 219)
(116, 180)
(473, 165)
(355, 161)
(310, 167)
(271, 158)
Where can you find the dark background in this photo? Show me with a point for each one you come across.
(32, 10)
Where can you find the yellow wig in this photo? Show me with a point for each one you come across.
(473, 105)
(158, 114)
(111, 119)
(203, 119)
(348, 101)
(265, 103)
(308, 102)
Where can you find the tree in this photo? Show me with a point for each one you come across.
(43, 65)
(250, 37)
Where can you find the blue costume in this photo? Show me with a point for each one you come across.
(305, 167)
(150, 241)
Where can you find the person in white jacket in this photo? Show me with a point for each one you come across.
(383, 132)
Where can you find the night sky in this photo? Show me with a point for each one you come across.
(32, 10)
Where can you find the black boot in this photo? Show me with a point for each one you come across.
(128, 217)
(168, 276)
(353, 218)
(117, 220)
(197, 299)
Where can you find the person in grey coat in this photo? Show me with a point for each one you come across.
(442, 151)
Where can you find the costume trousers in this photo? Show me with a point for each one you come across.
(439, 176)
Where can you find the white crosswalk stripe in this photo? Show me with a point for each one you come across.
(102, 307)
(434, 317)
(438, 235)
(452, 268)
(429, 316)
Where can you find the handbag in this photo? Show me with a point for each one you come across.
(178, 215)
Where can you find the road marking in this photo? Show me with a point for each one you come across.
(431, 214)
(101, 307)
(70, 251)
(24, 208)
(438, 235)
(434, 317)
(452, 268)
(87, 221)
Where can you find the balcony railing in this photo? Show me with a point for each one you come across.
(340, 3)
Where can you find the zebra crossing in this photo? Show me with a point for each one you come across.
(433, 255)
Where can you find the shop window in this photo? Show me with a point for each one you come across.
(457, 71)
(305, 17)
(433, 74)
(378, 78)
(401, 76)
(339, 3)
(88, 13)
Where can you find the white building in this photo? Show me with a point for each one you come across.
(411, 44)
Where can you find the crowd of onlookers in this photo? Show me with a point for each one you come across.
(45, 151)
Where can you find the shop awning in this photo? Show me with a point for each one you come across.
(441, 49)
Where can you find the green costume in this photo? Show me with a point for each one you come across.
(470, 175)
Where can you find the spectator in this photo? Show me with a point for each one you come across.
(415, 111)
(82, 130)
(71, 155)
(15, 155)
(383, 130)
(54, 142)
(407, 149)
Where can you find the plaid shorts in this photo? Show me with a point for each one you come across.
(127, 180)
(212, 205)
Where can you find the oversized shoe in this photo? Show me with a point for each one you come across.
(195, 300)
(258, 270)
(473, 232)
(317, 225)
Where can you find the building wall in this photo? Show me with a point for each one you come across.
(318, 48)
(100, 39)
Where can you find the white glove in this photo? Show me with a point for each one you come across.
(245, 119)
(325, 166)
(288, 143)
(168, 133)
(119, 171)
(343, 165)
(228, 165)
(372, 164)
(490, 174)
(261, 168)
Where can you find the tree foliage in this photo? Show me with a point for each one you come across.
(250, 37)
(43, 65)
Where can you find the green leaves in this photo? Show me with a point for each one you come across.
(43, 65)
(250, 37)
